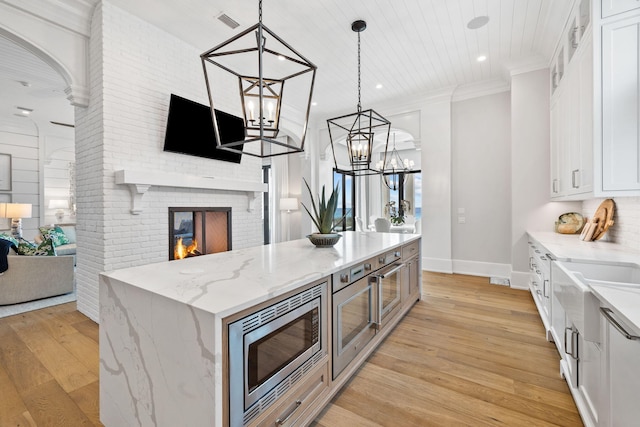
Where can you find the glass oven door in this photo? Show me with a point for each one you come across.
(388, 284)
(353, 322)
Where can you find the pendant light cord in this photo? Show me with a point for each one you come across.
(260, 11)
(359, 100)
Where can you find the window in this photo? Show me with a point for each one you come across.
(347, 202)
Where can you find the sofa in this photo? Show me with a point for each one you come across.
(70, 233)
(34, 277)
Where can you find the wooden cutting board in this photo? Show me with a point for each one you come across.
(604, 215)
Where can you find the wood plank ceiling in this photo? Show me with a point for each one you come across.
(411, 47)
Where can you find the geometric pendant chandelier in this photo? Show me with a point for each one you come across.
(358, 130)
(258, 63)
(394, 168)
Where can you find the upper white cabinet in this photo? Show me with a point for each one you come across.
(614, 7)
(572, 109)
(595, 106)
(620, 98)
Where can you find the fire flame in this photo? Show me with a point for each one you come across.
(181, 251)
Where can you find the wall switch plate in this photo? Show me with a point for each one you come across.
(462, 220)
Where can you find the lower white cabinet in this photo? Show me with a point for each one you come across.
(589, 379)
(621, 373)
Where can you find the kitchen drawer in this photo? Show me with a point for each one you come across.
(410, 250)
(296, 403)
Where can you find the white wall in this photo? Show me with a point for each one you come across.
(22, 143)
(481, 184)
(436, 186)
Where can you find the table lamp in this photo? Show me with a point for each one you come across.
(60, 205)
(288, 204)
(15, 211)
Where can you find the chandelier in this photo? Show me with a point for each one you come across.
(259, 64)
(393, 168)
(358, 129)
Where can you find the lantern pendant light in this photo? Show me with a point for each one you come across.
(261, 99)
(393, 168)
(358, 130)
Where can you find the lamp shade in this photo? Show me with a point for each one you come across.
(289, 204)
(15, 210)
(58, 204)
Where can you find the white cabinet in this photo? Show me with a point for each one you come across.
(613, 7)
(622, 373)
(540, 283)
(620, 105)
(572, 111)
(558, 321)
(589, 379)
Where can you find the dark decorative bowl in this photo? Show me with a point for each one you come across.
(324, 240)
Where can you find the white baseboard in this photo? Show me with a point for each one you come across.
(437, 265)
(482, 269)
(519, 280)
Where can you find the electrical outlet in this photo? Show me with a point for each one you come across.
(462, 220)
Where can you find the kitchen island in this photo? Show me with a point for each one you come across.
(162, 344)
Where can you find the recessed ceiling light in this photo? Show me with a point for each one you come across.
(477, 22)
(25, 111)
(281, 57)
(379, 86)
(314, 103)
(481, 58)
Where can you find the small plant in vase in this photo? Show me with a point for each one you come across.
(397, 219)
(323, 217)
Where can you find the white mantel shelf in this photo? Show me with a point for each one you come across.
(139, 182)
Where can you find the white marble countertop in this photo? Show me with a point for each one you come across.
(569, 247)
(228, 282)
(623, 300)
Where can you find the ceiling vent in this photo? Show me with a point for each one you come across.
(229, 22)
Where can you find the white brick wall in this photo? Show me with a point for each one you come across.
(134, 69)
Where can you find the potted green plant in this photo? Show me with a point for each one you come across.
(323, 217)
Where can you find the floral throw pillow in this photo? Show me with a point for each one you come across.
(55, 233)
(45, 248)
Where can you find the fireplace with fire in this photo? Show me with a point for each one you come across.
(198, 231)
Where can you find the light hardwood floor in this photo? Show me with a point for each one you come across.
(470, 353)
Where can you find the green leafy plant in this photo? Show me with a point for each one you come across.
(397, 219)
(324, 210)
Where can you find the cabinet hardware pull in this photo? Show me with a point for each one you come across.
(573, 178)
(390, 272)
(555, 186)
(377, 310)
(280, 422)
(544, 288)
(608, 314)
(574, 342)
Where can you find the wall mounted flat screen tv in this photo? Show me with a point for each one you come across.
(190, 130)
